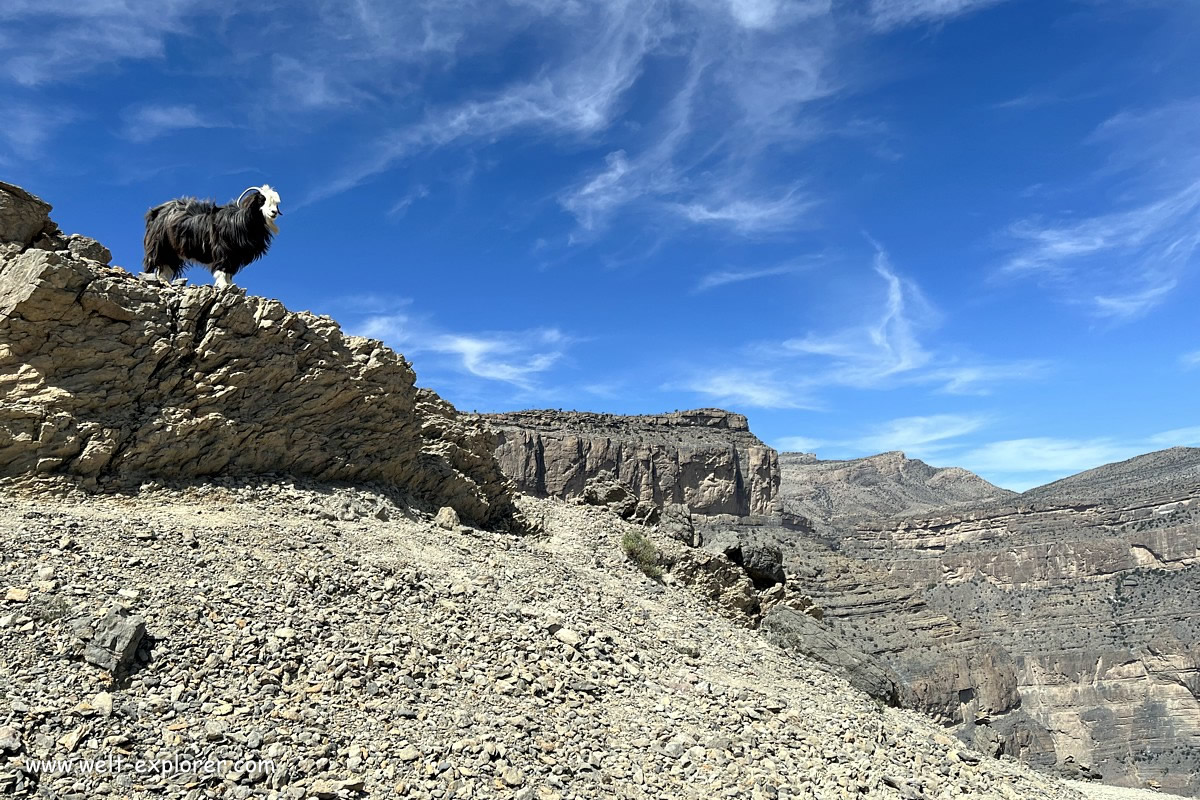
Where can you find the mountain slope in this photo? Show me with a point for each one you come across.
(397, 658)
(882, 485)
(1162, 472)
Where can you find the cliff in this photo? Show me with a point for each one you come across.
(109, 381)
(1061, 626)
(706, 458)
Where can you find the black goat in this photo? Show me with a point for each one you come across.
(223, 238)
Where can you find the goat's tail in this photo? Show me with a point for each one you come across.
(156, 243)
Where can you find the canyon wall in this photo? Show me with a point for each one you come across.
(706, 458)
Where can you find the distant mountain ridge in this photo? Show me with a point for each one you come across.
(887, 484)
(1151, 474)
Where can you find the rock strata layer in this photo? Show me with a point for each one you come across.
(707, 459)
(1061, 626)
(113, 381)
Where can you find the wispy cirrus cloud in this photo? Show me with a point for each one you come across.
(519, 357)
(887, 14)
(724, 277)
(918, 436)
(750, 216)
(1190, 360)
(27, 128)
(61, 39)
(1122, 262)
(702, 160)
(147, 122)
(1019, 464)
(865, 356)
(1136, 255)
(886, 350)
(740, 387)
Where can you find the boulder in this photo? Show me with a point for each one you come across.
(23, 216)
(115, 641)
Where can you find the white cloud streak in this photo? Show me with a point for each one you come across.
(883, 352)
(886, 14)
(61, 39)
(26, 129)
(144, 123)
(720, 278)
(1020, 464)
(1137, 254)
(755, 388)
(517, 358)
(1123, 263)
(867, 356)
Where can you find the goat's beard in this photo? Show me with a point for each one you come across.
(271, 226)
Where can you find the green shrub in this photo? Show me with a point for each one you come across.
(641, 551)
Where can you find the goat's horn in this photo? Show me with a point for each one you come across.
(238, 202)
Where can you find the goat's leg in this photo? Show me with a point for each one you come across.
(222, 279)
(165, 275)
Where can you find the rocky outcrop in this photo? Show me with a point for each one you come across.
(882, 485)
(1061, 626)
(110, 381)
(800, 633)
(707, 459)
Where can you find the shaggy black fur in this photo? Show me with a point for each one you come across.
(223, 238)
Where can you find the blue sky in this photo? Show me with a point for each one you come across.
(966, 229)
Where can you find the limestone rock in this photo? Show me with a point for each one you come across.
(800, 633)
(111, 381)
(706, 458)
(446, 518)
(22, 216)
(116, 640)
(676, 523)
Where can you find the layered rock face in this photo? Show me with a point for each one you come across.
(112, 381)
(707, 459)
(880, 485)
(1061, 626)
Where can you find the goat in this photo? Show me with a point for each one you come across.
(223, 238)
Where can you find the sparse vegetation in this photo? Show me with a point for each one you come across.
(642, 552)
(53, 610)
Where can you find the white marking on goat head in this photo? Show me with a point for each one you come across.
(270, 207)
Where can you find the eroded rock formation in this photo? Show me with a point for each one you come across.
(881, 485)
(707, 458)
(112, 381)
(1061, 626)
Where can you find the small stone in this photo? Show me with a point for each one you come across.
(285, 633)
(45, 573)
(568, 636)
(446, 518)
(10, 740)
(103, 703)
(70, 740)
(16, 595)
(409, 753)
(512, 776)
(129, 594)
(324, 789)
